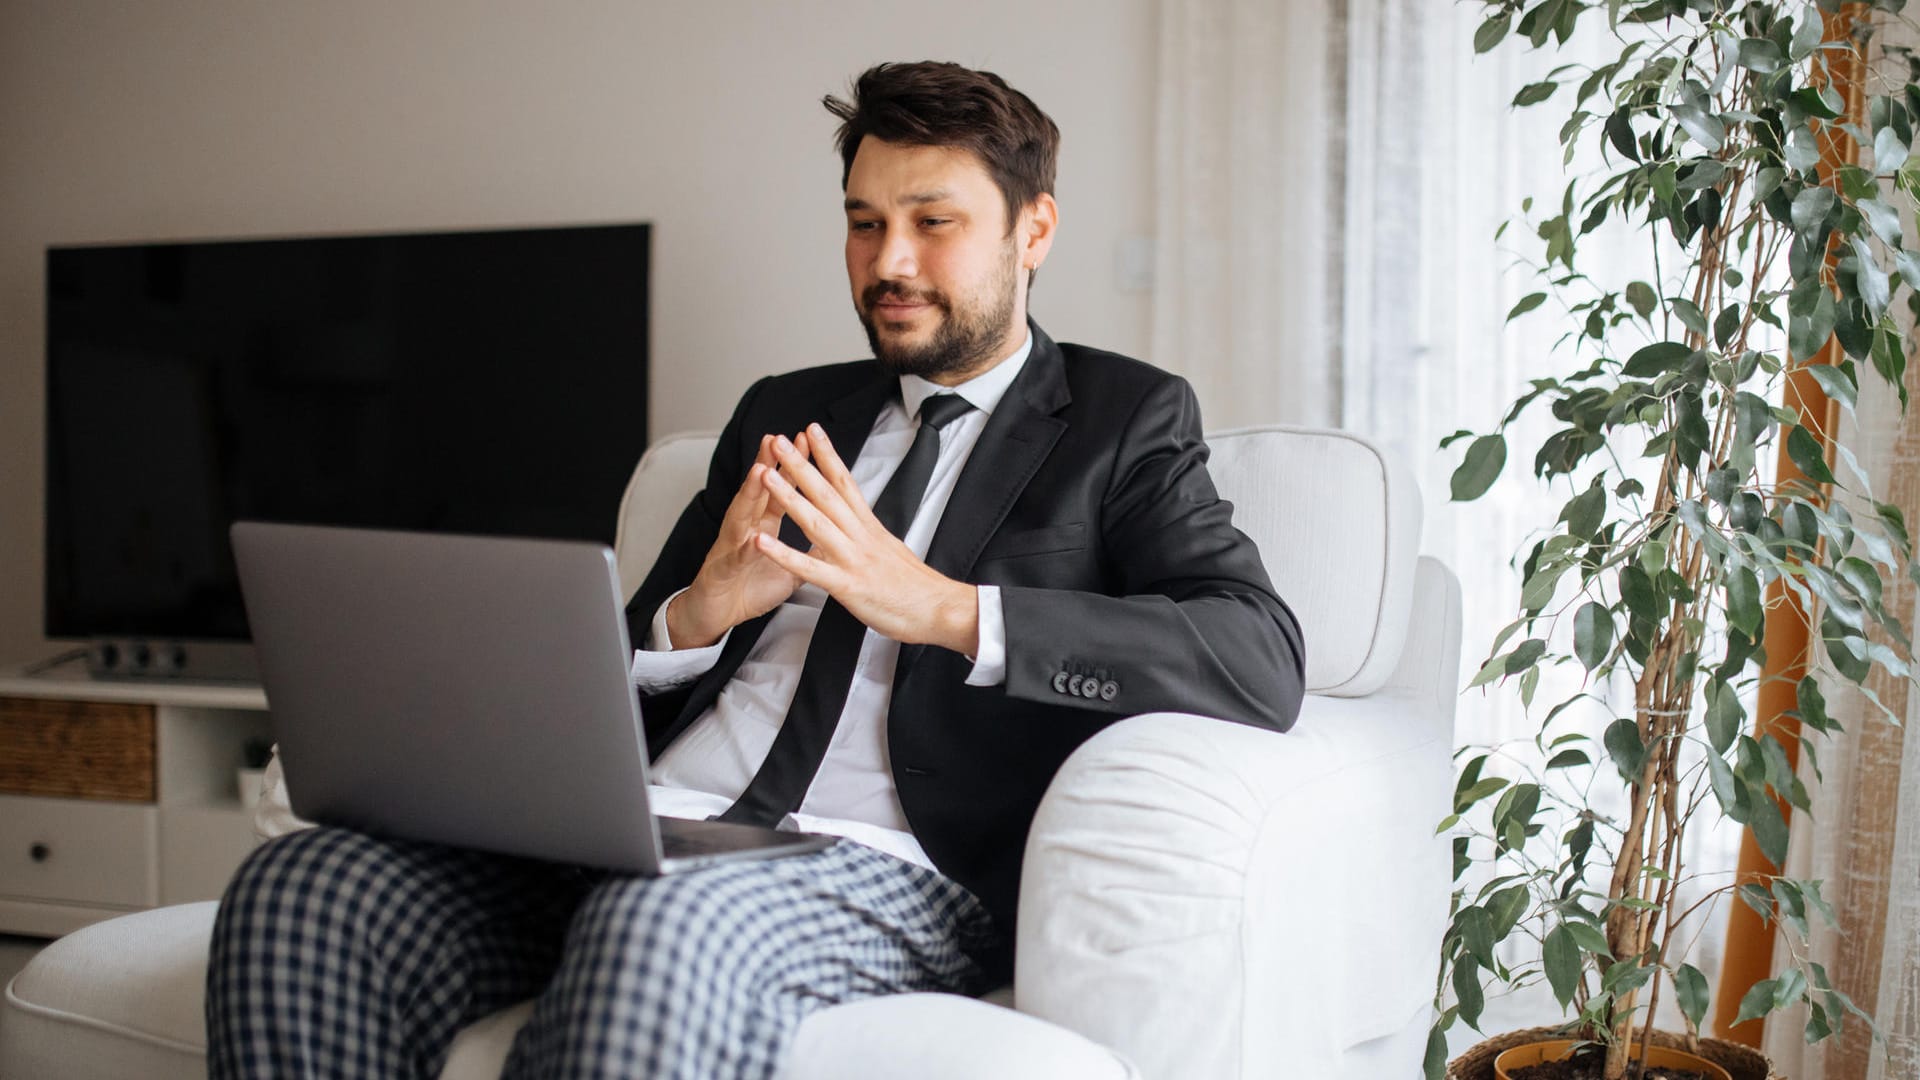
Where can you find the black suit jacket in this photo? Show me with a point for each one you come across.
(1125, 587)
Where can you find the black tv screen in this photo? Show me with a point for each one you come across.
(477, 382)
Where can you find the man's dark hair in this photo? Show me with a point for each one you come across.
(932, 103)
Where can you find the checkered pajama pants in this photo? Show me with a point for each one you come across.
(336, 954)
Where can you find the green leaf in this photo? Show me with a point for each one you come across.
(1434, 1065)
(1476, 792)
(1806, 38)
(1724, 715)
(1889, 152)
(1801, 152)
(1805, 451)
(1813, 705)
(1584, 512)
(1636, 586)
(1690, 315)
(1726, 324)
(1769, 828)
(1592, 635)
(1871, 281)
(1835, 382)
(1760, 55)
(1788, 987)
(1534, 93)
(1744, 609)
(1705, 128)
(1624, 746)
(1569, 758)
(1807, 334)
(1527, 303)
(1466, 989)
(1562, 958)
(1691, 987)
(1725, 791)
(1641, 298)
(1884, 220)
(1757, 1002)
(1485, 458)
(1654, 359)
(1476, 933)
(1504, 908)
(1810, 207)
(1491, 32)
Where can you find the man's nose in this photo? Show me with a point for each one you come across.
(897, 260)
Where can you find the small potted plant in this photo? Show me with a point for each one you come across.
(255, 753)
(1773, 219)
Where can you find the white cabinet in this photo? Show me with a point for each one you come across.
(66, 861)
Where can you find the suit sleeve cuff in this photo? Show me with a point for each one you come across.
(658, 666)
(990, 665)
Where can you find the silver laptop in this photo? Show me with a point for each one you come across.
(471, 691)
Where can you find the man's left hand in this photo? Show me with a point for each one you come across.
(876, 577)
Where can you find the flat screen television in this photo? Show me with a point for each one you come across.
(478, 382)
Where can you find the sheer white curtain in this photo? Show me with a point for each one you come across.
(1863, 837)
(1331, 175)
(1244, 301)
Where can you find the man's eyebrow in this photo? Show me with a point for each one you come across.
(920, 199)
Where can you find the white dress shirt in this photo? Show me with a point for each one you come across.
(853, 795)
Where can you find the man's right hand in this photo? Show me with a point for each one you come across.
(737, 581)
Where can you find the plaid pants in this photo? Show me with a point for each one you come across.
(336, 954)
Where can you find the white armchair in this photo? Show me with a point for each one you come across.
(1200, 899)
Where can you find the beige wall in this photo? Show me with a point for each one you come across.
(170, 119)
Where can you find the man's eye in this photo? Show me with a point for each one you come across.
(862, 226)
(934, 221)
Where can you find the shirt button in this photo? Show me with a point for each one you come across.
(1109, 690)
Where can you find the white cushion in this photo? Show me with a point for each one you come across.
(1337, 521)
(118, 1000)
(1338, 525)
(925, 1036)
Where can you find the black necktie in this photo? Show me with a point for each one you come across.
(801, 744)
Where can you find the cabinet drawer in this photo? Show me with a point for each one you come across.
(78, 851)
(76, 749)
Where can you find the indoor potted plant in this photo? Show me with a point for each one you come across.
(1770, 178)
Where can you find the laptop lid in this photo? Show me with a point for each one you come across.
(465, 690)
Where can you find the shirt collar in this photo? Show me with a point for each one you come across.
(983, 391)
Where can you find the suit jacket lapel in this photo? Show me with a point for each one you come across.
(1017, 439)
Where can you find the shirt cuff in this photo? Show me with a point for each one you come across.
(990, 666)
(658, 666)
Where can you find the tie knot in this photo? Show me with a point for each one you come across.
(943, 409)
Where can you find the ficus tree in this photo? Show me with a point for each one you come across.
(1772, 219)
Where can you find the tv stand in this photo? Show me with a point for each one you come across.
(161, 658)
(118, 795)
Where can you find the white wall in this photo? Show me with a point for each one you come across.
(124, 122)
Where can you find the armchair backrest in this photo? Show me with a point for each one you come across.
(1337, 522)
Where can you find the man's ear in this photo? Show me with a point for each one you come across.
(1038, 222)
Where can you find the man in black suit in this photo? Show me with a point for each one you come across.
(911, 587)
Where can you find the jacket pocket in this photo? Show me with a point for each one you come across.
(1048, 538)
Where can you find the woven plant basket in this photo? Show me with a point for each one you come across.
(1742, 1062)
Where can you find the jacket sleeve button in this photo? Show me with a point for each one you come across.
(1109, 690)
(1059, 682)
(1074, 684)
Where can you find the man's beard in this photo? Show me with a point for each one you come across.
(965, 339)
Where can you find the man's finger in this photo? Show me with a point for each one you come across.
(803, 566)
(827, 460)
(818, 526)
(815, 488)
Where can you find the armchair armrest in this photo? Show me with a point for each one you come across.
(1211, 899)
